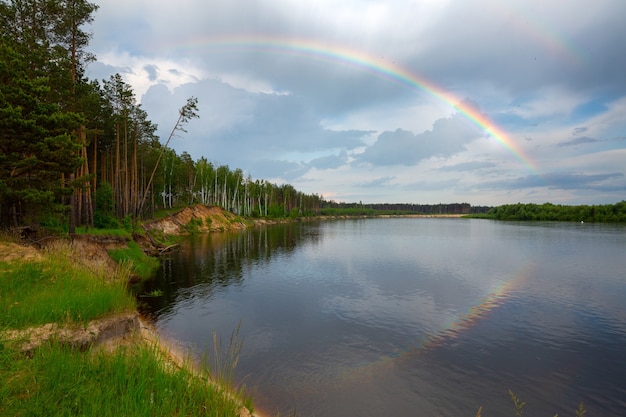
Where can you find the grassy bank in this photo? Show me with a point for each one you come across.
(134, 258)
(59, 286)
(57, 381)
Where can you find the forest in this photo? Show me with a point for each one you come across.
(555, 212)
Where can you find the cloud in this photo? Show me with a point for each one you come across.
(152, 71)
(578, 141)
(467, 166)
(448, 137)
(276, 170)
(537, 45)
(142, 72)
(430, 185)
(330, 161)
(271, 136)
(610, 182)
(377, 182)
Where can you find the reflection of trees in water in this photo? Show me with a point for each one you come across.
(207, 263)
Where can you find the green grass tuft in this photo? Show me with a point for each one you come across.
(57, 290)
(117, 232)
(135, 382)
(140, 263)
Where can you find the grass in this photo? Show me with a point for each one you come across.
(164, 239)
(221, 365)
(58, 381)
(154, 293)
(119, 232)
(57, 289)
(518, 407)
(133, 256)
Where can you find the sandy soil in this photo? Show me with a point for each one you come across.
(10, 251)
(219, 220)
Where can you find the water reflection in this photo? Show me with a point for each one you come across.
(210, 262)
(390, 316)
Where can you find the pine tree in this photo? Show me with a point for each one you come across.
(36, 146)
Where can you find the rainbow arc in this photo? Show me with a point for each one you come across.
(375, 65)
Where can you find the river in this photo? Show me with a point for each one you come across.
(409, 316)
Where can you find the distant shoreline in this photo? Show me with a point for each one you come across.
(417, 216)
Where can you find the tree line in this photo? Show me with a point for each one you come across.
(556, 212)
(335, 208)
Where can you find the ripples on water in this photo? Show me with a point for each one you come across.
(409, 317)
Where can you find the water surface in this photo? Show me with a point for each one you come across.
(405, 317)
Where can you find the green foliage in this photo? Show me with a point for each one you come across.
(352, 211)
(222, 363)
(276, 211)
(57, 289)
(127, 223)
(154, 293)
(58, 381)
(104, 214)
(164, 239)
(551, 212)
(117, 232)
(294, 213)
(140, 264)
(36, 146)
(194, 225)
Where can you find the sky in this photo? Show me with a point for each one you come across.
(486, 102)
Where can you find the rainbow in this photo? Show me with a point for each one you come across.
(525, 20)
(449, 331)
(464, 322)
(363, 61)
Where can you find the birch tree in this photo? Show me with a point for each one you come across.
(185, 114)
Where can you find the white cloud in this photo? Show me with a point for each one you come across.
(142, 72)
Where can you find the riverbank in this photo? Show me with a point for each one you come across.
(40, 322)
(68, 322)
(209, 219)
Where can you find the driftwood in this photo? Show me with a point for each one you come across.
(168, 248)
